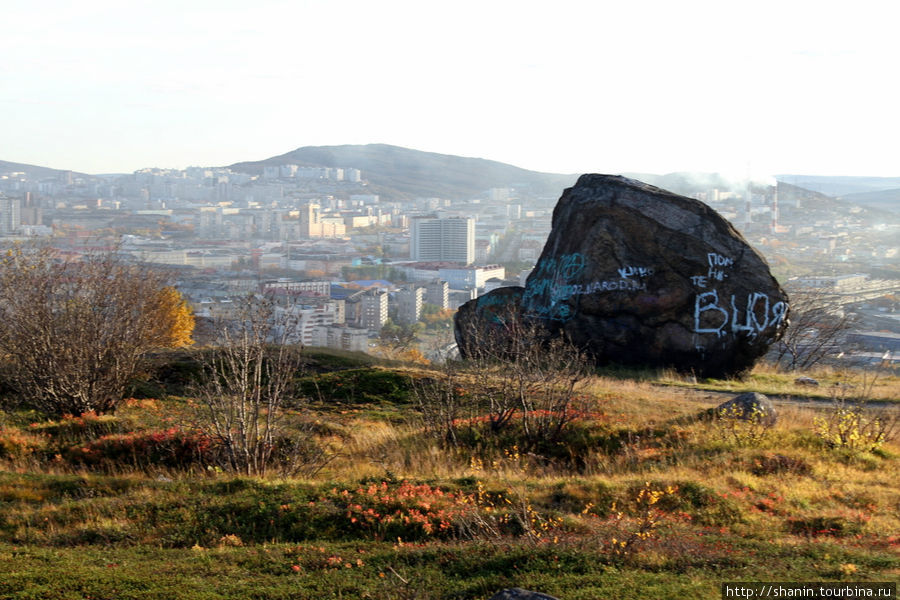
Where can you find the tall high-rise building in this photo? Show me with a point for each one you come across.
(10, 215)
(310, 225)
(450, 239)
(31, 211)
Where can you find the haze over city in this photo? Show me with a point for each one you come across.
(799, 87)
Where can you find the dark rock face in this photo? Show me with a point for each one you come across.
(751, 406)
(637, 275)
(487, 318)
(520, 594)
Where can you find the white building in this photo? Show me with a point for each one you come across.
(364, 199)
(314, 287)
(470, 277)
(457, 277)
(837, 283)
(304, 321)
(341, 337)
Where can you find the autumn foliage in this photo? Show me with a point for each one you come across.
(173, 318)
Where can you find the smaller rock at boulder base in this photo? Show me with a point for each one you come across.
(751, 406)
(520, 594)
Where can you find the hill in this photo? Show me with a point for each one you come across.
(883, 199)
(396, 172)
(33, 171)
(841, 185)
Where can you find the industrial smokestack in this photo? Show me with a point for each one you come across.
(747, 219)
(775, 210)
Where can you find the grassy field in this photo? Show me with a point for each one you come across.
(640, 497)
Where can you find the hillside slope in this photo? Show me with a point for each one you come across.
(31, 170)
(400, 172)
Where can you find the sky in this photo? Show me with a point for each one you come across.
(609, 86)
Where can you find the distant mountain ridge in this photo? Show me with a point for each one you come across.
(874, 192)
(403, 173)
(886, 199)
(841, 185)
(30, 170)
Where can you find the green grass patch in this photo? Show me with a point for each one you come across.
(372, 386)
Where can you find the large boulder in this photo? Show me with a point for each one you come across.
(638, 275)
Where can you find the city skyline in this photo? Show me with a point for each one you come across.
(102, 87)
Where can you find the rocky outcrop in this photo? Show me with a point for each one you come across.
(637, 275)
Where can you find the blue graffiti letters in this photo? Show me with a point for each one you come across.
(706, 302)
(757, 315)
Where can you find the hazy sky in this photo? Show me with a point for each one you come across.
(757, 87)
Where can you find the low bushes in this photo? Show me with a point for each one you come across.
(173, 448)
(16, 444)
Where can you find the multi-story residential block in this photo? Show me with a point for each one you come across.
(409, 301)
(374, 309)
(437, 293)
(341, 337)
(302, 321)
(313, 225)
(310, 287)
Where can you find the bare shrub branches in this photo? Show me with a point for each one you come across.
(817, 327)
(248, 387)
(513, 373)
(72, 333)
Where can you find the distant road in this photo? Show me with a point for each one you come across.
(716, 397)
(875, 289)
(511, 248)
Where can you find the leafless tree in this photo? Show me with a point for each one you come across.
(249, 391)
(818, 326)
(73, 332)
(549, 376)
